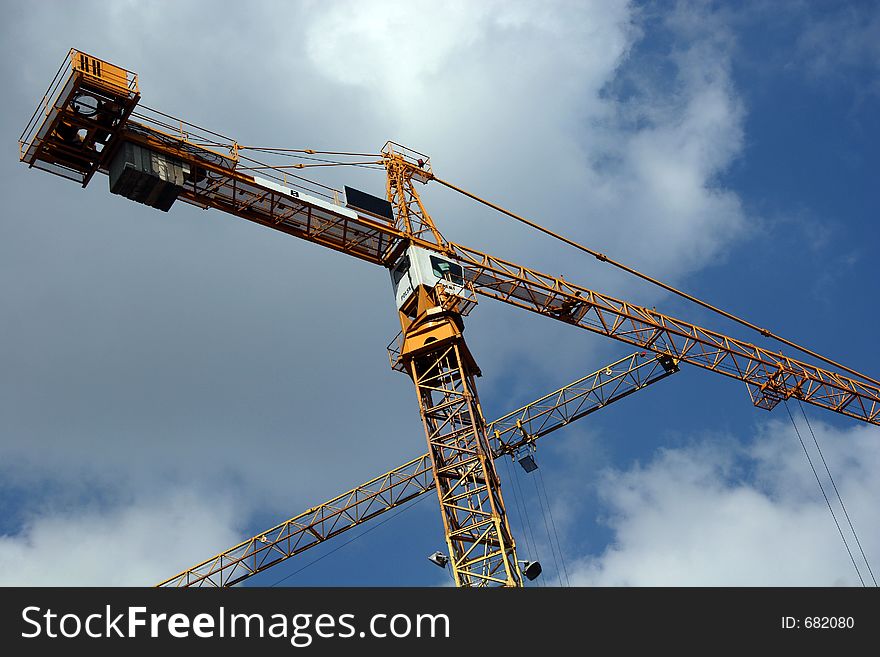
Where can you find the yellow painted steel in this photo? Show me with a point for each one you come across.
(103, 72)
(482, 551)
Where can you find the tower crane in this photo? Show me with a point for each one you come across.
(91, 121)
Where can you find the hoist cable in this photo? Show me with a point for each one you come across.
(519, 513)
(837, 492)
(822, 488)
(553, 523)
(547, 528)
(526, 510)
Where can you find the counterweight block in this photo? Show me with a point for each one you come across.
(147, 177)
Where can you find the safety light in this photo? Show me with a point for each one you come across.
(531, 569)
(438, 559)
(528, 463)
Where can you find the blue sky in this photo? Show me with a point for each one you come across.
(175, 383)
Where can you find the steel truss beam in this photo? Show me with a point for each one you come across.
(770, 377)
(410, 480)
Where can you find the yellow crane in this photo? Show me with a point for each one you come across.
(91, 121)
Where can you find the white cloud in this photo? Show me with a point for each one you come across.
(136, 543)
(394, 50)
(726, 513)
(656, 164)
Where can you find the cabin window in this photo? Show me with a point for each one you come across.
(400, 271)
(448, 271)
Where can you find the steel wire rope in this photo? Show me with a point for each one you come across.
(293, 175)
(299, 165)
(528, 521)
(822, 488)
(837, 492)
(519, 514)
(547, 528)
(555, 533)
(292, 153)
(310, 151)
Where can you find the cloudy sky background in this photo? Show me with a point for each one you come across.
(175, 383)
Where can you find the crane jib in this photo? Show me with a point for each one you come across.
(89, 118)
(771, 377)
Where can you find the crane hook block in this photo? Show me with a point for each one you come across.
(147, 177)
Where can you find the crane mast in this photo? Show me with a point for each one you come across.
(433, 352)
(91, 120)
(508, 435)
(482, 551)
(431, 300)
